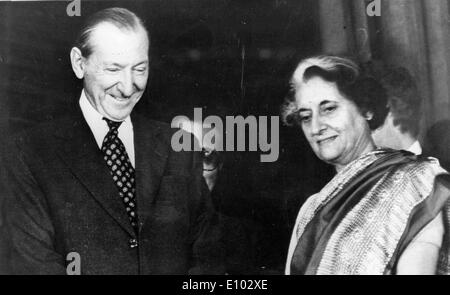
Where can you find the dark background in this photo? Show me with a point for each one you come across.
(233, 57)
(197, 54)
(229, 57)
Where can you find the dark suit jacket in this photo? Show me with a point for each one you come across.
(61, 198)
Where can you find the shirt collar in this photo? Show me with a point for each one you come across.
(415, 148)
(94, 119)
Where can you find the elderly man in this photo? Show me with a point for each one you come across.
(101, 191)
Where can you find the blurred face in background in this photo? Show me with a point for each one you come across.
(333, 125)
(386, 136)
(115, 74)
(210, 149)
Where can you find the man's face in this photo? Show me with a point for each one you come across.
(387, 136)
(115, 74)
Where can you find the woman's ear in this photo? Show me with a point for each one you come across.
(77, 61)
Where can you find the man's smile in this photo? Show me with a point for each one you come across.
(120, 99)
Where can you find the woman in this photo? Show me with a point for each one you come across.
(385, 211)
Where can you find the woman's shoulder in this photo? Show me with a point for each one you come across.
(423, 172)
(421, 166)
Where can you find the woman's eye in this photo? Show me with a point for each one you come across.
(140, 70)
(330, 109)
(304, 118)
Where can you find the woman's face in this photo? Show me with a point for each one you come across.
(333, 125)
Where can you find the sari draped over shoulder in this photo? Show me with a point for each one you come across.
(365, 217)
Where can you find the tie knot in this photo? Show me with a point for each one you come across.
(113, 125)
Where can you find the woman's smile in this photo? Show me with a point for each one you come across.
(326, 141)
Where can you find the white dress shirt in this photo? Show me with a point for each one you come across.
(100, 128)
(415, 148)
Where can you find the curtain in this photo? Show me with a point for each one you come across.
(409, 33)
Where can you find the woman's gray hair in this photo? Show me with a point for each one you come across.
(366, 92)
(327, 63)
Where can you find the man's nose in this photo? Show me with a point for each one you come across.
(126, 84)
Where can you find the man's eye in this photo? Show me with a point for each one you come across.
(113, 70)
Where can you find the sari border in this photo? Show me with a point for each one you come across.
(420, 216)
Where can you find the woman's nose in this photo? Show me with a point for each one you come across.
(317, 125)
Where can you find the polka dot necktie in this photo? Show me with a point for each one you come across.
(120, 167)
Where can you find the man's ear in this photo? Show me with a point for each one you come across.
(77, 60)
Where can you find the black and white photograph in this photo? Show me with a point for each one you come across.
(250, 138)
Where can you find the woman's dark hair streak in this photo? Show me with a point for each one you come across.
(363, 90)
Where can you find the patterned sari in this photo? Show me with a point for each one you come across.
(364, 218)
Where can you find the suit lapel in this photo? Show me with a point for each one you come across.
(151, 156)
(80, 152)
